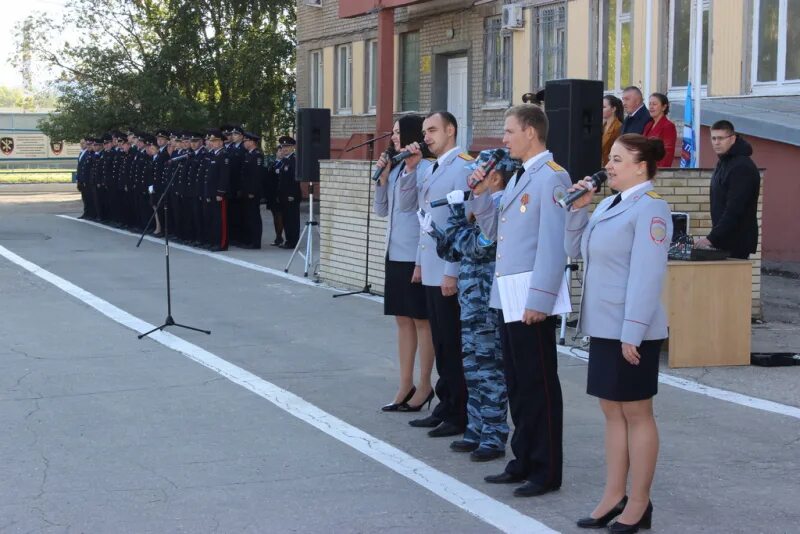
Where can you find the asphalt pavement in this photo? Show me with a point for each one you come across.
(108, 433)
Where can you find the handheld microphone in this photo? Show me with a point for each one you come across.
(443, 201)
(405, 154)
(496, 157)
(177, 158)
(391, 152)
(597, 180)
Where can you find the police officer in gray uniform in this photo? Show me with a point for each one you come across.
(439, 277)
(529, 235)
(624, 246)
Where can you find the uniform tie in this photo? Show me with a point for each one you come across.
(435, 166)
(517, 176)
(617, 200)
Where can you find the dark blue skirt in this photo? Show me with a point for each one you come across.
(611, 377)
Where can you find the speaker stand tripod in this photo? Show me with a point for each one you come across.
(562, 333)
(308, 234)
(169, 321)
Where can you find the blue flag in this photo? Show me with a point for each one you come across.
(688, 146)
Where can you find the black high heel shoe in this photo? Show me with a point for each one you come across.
(602, 521)
(405, 407)
(645, 522)
(395, 406)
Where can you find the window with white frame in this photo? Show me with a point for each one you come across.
(372, 74)
(496, 61)
(682, 26)
(776, 43)
(409, 71)
(344, 78)
(316, 79)
(549, 42)
(615, 59)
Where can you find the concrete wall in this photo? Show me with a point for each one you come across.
(343, 221)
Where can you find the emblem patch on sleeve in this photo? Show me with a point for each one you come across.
(658, 230)
(559, 192)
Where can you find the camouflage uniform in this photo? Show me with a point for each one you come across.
(480, 334)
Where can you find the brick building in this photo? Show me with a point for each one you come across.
(477, 57)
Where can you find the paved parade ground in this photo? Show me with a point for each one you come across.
(273, 423)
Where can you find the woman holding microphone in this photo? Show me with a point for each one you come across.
(624, 246)
(404, 295)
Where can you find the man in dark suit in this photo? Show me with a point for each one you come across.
(735, 187)
(252, 184)
(289, 193)
(217, 187)
(637, 115)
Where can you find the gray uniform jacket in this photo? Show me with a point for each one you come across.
(624, 250)
(398, 201)
(530, 233)
(452, 174)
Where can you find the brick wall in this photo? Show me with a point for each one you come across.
(343, 220)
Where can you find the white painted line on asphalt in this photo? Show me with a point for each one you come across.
(664, 378)
(224, 258)
(708, 391)
(472, 501)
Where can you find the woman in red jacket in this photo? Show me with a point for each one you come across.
(661, 127)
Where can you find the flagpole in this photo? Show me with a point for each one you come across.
(698, 75)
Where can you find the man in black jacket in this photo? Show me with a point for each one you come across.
(735, 188)
(637, 115)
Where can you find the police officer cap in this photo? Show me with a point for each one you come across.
(119, 136)
(195, 136)
(185, 136)
(162, 133)
(214, 133)
(252, 137)
(286, 140)
(237, 130)
(226, 129)
(148, 139)
(107, 138)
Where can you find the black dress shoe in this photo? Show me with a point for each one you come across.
(645, 522)
(602, 521)
(446, 429)
(482, 454)
(463, 445)
(426, 422)
(276, 243)
(290, 246)
(503, 478)
(393, 407)
(532, 489)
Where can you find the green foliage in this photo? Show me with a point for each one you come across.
(17, 98)
(185, 64)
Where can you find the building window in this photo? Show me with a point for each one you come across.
(372, 74)
(409, 71)
(681, 39)
(344, 78)
(316, 79)
(776, 42)
(549, 42)
(616, 57)
(496, 61)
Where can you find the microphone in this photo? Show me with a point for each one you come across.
(597, 180)
(377, 174)
(496, 157)
(177, 158)
(443, 201)
(405, 154)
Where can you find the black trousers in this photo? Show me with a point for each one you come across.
(451, 388)
(534, 398)
(217, 222)
(291, 222)
(85, 198)
(251, 217)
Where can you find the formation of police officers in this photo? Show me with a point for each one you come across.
(212, 185)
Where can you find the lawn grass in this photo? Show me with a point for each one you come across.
(35, 176)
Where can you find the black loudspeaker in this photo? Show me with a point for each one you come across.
(575, 112)
(313, 142)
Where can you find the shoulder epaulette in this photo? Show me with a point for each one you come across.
(465, 156)
(555, 166)
(653, 194)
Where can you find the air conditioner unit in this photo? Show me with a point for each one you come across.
(513, 17)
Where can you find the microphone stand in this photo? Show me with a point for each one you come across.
(169, 321)
(367, 289)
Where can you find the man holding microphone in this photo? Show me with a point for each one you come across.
(529, 232)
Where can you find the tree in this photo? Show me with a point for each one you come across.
(185, 64)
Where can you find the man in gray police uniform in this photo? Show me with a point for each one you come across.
(439, 277)
(529, 235)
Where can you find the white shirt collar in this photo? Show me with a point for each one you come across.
(636, 110)
(528, 164)
(440, 159)
(631, 190)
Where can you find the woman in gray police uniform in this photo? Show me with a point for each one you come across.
(624, 246)
(404, 295)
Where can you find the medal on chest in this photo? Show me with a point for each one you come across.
(523, 203)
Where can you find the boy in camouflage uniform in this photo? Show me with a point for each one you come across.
(487, 427)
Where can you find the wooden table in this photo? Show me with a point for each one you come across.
(708, 307)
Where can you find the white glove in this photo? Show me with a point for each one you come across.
(455, 197)
(425, 222)
(150, 189)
